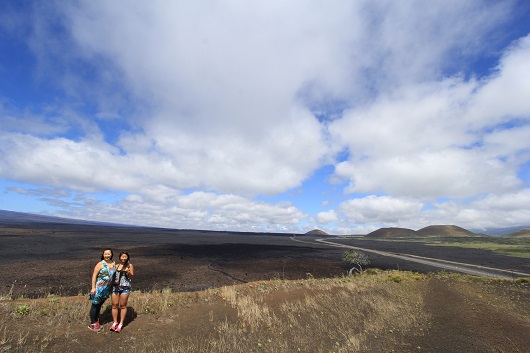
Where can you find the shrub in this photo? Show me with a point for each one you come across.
(355, 258)
(22, 309)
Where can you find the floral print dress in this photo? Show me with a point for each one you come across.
(103, 283)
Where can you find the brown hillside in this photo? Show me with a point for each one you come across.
(445, 230)
(368, 314)
(392, 232)
(522, 233)
(317, 232)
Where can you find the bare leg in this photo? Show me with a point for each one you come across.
(123, 307)
(115, 304)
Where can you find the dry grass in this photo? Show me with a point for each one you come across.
(33, 315)
(347, 314)
(329, 315)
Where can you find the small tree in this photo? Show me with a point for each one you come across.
(356, 258)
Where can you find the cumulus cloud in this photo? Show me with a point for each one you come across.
(327, 217)
(452, 173)
(363, 215)
(449, 138)
(489, 211)
(193, 110)
(196, 210)
(502, 96)
(379, 209)
(223, 84)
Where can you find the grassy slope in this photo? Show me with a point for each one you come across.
(512, 246)
(515, 247)
(378, 311)
(517, 244)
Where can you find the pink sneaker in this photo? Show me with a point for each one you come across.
(94, 327)
(118, 329)
(113, 327)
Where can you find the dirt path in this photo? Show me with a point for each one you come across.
(469, 322)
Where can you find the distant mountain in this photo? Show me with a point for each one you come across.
(445, 230)
(499, 231)
(11, 218)
(435, 230)
(392, 232)
(521, 233)
(317, 232)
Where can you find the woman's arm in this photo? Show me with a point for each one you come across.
(130, 271)
(97, 268)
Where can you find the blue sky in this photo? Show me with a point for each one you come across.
(345, 116)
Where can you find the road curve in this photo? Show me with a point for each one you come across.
(453, 266)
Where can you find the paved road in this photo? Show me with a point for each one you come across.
(453, 266)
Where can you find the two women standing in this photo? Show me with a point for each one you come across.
(108, 278)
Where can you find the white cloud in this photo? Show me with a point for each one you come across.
(134, 198)
(490, 211)
(505, 203)
(231, 161)
(60, 162)
(441, 139)
(418, 117)
(503, 96)
(451, 173)
(327, 217)
(379, 209)
(416, 41)
(227, 163)
(198, 210)
(223, 85)
(193, 109)
(231, 83)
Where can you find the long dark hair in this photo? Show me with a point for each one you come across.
(111, 253)
(126, 262)
(117, 280)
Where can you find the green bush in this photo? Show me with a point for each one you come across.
(22, 309)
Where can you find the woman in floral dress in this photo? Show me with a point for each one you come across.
(101, 287)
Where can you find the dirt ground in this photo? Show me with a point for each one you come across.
(38, 261)
(462, 317)
(464, 322)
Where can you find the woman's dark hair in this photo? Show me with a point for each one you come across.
(125, 253)
(111, 253)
